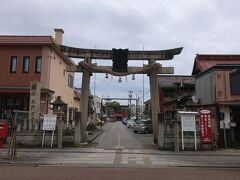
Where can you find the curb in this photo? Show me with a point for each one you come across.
(122, 152)
(94, 137)
(86, 165)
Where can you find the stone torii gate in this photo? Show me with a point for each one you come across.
(152, 69)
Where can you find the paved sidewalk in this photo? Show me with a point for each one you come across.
(92, 157)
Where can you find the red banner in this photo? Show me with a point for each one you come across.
(206, 126)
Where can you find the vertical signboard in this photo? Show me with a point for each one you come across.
(34, 105)
(49, 124)
(206, 126)
(188, 124)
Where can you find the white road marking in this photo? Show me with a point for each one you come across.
(119, 147)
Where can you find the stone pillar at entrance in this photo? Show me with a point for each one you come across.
(77, 132)
(84, 101)
(34, 105)
(155, 106)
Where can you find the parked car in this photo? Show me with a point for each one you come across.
(143, 126)
(125, 121)
(130, 123)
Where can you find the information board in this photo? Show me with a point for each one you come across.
(188, 122)
(49, 122)
(206, 126)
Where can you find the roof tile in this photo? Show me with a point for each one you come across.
(11, 39)
(205, 62)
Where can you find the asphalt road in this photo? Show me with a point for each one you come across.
(78, 173)
(116, 134)
(137, 151)
(139, 159)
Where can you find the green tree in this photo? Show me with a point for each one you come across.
(115, 105)
(112, 106)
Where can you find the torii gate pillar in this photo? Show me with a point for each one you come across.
(84, 101)
(158, 129)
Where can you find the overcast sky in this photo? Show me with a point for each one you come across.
(200, 26)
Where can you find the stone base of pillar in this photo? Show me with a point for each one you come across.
(77, 136)
(161, 135)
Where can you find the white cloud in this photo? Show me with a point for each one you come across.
(200, 26)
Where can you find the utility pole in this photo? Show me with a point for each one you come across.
(143, 85)
(130, 101)
(95, 78)
(137, 108)
(130, 97)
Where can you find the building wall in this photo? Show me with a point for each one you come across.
(223, 92)
(46, 64)
(58, 81)
(205, 88)
(19, 78)
(226, 120)
(76, 103)
(44, 107)
(161, 98)
(214, 87)
(53, 74)
(147, 108)
(97, 104)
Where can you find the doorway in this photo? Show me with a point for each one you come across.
(235, 126)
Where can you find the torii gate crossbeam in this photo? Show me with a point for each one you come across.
(74, 52)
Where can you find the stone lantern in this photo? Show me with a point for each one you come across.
(58, 108)
(59, 105)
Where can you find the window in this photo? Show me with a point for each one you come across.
(38, 64)
(18, 101)
(26, 62)
(234, 83)
(168, 115)
(10, 102)
(13, 64)
(70, 81)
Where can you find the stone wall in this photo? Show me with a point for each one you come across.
(169, 141)
(32, 139)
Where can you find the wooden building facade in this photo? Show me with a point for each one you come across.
(218, 89)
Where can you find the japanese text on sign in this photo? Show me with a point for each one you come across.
(49, 122)
(206, 126)
(188, 122)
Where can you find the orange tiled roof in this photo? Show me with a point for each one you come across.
(30, 40)
(12, 39)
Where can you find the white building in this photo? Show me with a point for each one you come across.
(97, 106)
